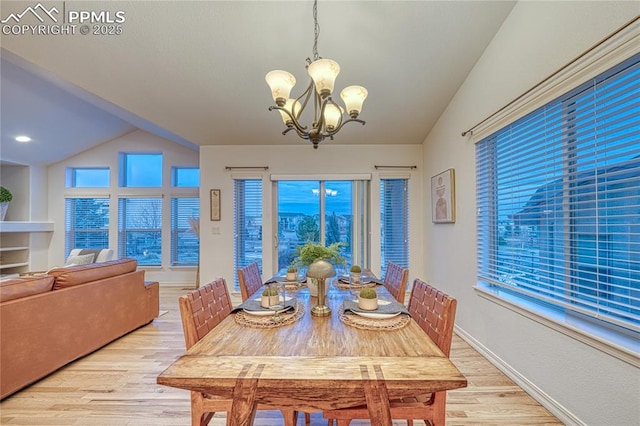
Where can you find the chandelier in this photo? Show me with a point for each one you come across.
(328, 116)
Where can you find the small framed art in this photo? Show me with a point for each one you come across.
(215, 204)
(443, 202)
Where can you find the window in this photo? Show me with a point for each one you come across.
(558, 193)
(185, 176)
(87, 177)
(394, 222)
(185, 243)
(247, 224)
(328, 211)
(86, 223)
(140, 229)
(141, 170)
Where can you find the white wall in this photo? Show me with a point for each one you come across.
(581, 384)
(106, 155)
(216, 251)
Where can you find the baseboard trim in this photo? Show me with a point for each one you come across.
(557, 409)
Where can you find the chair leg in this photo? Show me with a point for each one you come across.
(307, 419)
(344, 422)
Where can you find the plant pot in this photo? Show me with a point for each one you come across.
(268, 301)
(368, 304)
(355, 277)
(292, 276)
(3, 209)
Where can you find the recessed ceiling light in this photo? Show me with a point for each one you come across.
(23, 139)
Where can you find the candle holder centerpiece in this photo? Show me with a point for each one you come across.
(321, 270)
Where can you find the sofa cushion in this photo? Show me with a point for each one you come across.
(69, 276)
(83, 259)
(17, 288)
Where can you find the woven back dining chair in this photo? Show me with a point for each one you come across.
(201, 310)
(395, 280)
(250, 280)
(435, 312)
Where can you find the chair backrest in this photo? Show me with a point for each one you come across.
(250, 280)
(435, 312)
(395, 280)
(203, 309)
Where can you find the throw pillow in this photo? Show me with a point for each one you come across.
(84, 259)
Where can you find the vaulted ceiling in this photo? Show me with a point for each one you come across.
(193, 71)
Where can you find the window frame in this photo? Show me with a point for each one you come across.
(609, 337)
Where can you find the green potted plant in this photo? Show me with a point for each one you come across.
(5, 198)
(269, 297)
(355, 273)
(292, 273)
(310, 252)
(368, 299)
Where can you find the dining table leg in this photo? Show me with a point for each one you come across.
(244, 403)
(377, 397)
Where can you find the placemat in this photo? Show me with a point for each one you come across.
(394, 323)
(271, 321)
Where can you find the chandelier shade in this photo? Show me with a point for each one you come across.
(281, 83)
(328, 117)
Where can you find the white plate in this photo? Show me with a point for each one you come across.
(264, 313)
(380, 302)
(377, 315)
(374, 315)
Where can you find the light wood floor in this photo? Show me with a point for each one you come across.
(116, 385)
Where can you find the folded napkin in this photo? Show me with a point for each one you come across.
(255, 305)
(363, 280)
(279, 279)
(392, 308)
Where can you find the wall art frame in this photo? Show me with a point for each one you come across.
(443, 197)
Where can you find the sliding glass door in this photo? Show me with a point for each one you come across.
(323, 212)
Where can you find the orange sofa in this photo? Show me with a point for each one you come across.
(49, 320)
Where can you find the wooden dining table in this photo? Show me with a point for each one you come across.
(315, 363)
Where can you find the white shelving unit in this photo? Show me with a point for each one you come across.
(15, 237)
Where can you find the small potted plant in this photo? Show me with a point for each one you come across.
(310, 252)
(5, 198)
(292, 273)
(368, 299)
(269, 297)
(355, 273)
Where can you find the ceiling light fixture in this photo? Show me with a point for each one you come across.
(23, 138)
(327, 114)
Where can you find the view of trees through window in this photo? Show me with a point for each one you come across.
(140, 218)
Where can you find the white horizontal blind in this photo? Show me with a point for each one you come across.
(140, 229)
(558, 194)
(247, 224)
(394, 222)
(185, 242)
(86, 223)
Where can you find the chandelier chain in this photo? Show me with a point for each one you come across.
(316, 30)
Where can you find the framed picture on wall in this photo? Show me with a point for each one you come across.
(443, 202)
(215, 204)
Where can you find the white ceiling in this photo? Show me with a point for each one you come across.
(193, 72)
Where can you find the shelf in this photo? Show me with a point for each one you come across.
(6, 249)
(14, 265)
(25, 226)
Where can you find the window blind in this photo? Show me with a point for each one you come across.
(558, 193)
(185, 242)
(140, 229)
(86, 223)
(247, 224)
(394, 222)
